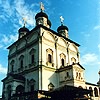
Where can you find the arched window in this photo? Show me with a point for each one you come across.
(73, 60)
(63, 59)
(32, 84)
(62, 62)
(21, 61)
(12, 65)
(91, 93)
(49, 58)
(67, 74)
(32, 56)
(49, 54)
(96, 92)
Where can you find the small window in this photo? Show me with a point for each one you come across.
(32, 88)
(32, 58)
(12, 65)
(49, 58)
(91, 93)
(79, 75)
(21, 63)
(21, 59)
(67, 74)
(63, 59)
(62, 62)
(76, 74)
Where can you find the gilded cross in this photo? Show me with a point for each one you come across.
(41, 6)
(24, 19)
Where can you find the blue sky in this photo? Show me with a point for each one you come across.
(81, 16)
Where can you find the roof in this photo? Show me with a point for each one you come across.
(15, 76)
(39, 26)
(69, 66)
(23, 29)
(41, 14)
(91, 84)
(62, 27)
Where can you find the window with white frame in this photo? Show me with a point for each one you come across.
(49, 54)
(73, 60)
(63, 59)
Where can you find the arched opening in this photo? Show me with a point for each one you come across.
(91, 93)
(96, 92)
(19, 89)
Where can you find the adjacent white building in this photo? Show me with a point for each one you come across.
(42, 59)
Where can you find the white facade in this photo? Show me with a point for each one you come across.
(42, 58)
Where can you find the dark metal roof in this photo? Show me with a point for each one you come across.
(41, 14)
(91, 84)
(62, 27)
(37, 27)
(69, 67)
(15, 76)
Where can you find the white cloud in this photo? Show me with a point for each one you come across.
(3, 70)
(97, 27)
(89, 59)
(7, 40)
(17, 9)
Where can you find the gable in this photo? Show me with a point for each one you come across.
(61, 41)
(49, 36)
(73, 47)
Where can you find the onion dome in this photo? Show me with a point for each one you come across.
(63, 30)
(62, 27)
(42, 19)
(41, 14)
(23, 31)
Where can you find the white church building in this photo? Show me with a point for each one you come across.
(45, 60)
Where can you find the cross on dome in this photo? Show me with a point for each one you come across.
(61, 19)
(24, 19)
(41, 6)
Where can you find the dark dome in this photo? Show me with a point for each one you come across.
(62, 28)
(23, 29)
(41, 14)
